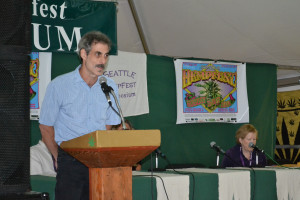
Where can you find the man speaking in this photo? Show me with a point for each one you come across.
(75, 105)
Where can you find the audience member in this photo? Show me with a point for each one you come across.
(41, 162)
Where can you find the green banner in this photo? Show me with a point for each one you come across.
(57, 26)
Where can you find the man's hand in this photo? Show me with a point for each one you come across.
(48, 138)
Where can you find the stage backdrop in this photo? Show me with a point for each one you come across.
(127, 69)
(57, 26)
(189, 143)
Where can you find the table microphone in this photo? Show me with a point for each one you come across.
(255, 147)
(214, 146)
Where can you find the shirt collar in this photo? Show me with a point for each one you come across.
(77, 76)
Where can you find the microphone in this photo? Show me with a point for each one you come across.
(255, 147)
(105, 88)
(158, 152)
(214, 146)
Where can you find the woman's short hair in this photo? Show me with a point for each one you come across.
(243, 131)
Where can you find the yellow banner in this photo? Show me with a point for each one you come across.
(288, 119)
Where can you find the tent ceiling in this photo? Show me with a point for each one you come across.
(248, 31)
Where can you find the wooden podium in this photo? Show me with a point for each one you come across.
(110, 155)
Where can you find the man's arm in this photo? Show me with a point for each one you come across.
(48, 139)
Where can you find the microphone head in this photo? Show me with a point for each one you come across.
(102, 80)
(158, 151)
(212, 144)
(251, 145)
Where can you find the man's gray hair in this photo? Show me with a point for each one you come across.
(91, 38)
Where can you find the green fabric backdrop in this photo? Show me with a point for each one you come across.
(83, 16)
(189, 143)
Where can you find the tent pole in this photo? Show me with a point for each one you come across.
(138, 25)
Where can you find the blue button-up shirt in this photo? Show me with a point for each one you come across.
(75, 109)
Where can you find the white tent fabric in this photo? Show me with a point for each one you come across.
(237, 30)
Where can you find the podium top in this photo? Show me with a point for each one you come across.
(115, 138)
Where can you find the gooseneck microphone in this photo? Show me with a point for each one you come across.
(214, 146)
(105, 88)
(255, 147)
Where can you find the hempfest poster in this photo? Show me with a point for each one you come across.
(39, 77)
(209, 91)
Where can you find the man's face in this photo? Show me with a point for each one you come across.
(96, 60)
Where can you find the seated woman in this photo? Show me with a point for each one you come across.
(242, 155)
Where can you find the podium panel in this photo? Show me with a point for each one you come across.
(111, 183)
(110, 155)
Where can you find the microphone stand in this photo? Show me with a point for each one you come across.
(119, 108)
(218, 158)
(217, 161)
(156, 160)
(156, 169)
